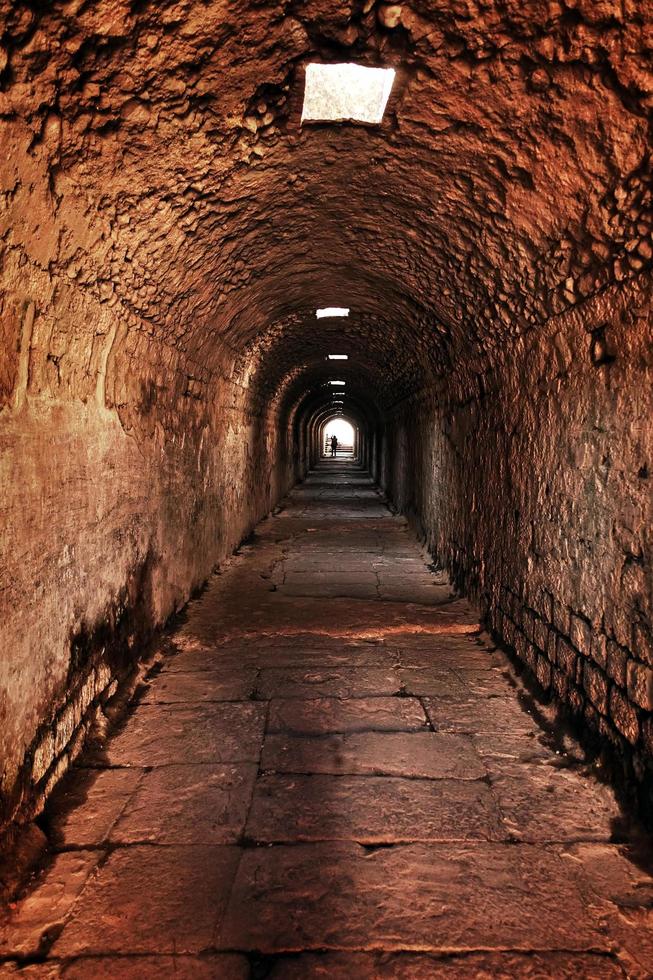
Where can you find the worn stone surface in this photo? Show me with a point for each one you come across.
(410, 897)
(170, 688)
(475, 849)
(87, 804)
(371, 810)
(418, 966)
(211, 967)
(423, 755)
(472, 714)
(554, 806)
(37, 921)
(338, 682)
(166, 734)
(324, 716)
(200, 804)
(144, 899)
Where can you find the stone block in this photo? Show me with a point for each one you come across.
(371, 810)
(152, 900)
(575, 699)
(86, 805)
(509, 632)
(420, 897)
(560, 683)
(640, 684)
(566, 658)
(473, 715)
(543, 672)
(324, 716)
(596, 684)
(561, 615)
(199, 804)
(425, 755)
(43, 756)
(643, 642)
(598, 651)
(617, 661)
(551, 645)
(528, 623)
(24, 931)
(540, 634)
(624, 715)
(580, 633)
(189, 733)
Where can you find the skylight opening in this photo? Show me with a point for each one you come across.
(338, 357)
(332, 311)
(346, 93)
(337, 382)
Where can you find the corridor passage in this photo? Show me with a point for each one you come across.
(329, 771)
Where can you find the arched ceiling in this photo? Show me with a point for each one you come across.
(508, 180)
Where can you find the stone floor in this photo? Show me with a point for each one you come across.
(334, 774)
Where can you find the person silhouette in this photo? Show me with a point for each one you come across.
(334, 446)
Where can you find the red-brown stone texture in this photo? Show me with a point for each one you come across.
(168, 229)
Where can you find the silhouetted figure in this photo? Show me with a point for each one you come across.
(334, 445)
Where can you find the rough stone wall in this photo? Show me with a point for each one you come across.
(537, 495)
(122, 483)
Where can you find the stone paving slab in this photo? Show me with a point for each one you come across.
(201, 804)
(371, 810)
(337, 576)
(151, 899)
(474, 715)
(422, 897)
(322, 716)
(471, 966)
(220, 966)
(209, 659)
(331, 590)
(555, 805)
(87, 803)
(486, 683)
(425, 755)
(451, 652)
(31, 928)
(307, 658)
(517, 755)
(338, 682)
(171, 687)
(613, 872)
(158, 735)
(431, 682)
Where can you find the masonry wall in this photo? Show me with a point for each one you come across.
(537, 495)
(127, 472)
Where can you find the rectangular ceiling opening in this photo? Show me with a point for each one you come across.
(336, 382)
(346, 93)
(332, 311)
(338, 357)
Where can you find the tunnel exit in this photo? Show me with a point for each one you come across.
(345, 436)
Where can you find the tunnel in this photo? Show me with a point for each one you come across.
(228, 230)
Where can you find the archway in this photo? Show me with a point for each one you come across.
(346, 435)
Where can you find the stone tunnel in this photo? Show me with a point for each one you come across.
(269, 713)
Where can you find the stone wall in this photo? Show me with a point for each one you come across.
(122, 485)
(533, 487)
